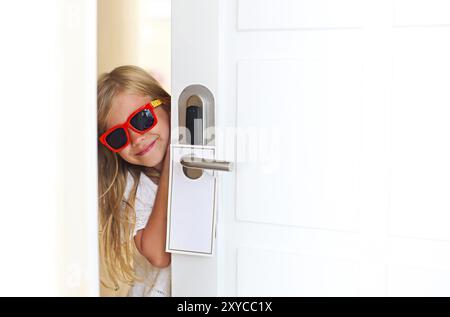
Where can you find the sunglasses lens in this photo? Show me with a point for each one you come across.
(142, 120)
(117, 138)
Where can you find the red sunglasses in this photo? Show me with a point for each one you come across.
(140, 121)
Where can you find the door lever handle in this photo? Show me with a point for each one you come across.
(190, 161)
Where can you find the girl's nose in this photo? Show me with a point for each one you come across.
(135, 138)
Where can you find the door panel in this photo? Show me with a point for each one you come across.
(421, 12)
(313, 130)
(286, 274)
(290, 14)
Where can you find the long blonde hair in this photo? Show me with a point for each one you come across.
(117, 216)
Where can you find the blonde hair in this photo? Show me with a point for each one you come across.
(116, 216)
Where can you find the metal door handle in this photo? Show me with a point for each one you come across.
(190, 161)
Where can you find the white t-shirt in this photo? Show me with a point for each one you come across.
(155, 281)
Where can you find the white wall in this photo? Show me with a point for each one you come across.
(48, 227)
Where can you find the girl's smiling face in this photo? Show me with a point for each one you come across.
(146, 149)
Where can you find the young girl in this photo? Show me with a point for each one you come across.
(133, 157)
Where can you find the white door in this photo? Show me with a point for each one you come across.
(340, 114)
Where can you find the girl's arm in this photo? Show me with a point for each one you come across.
(151, 241)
